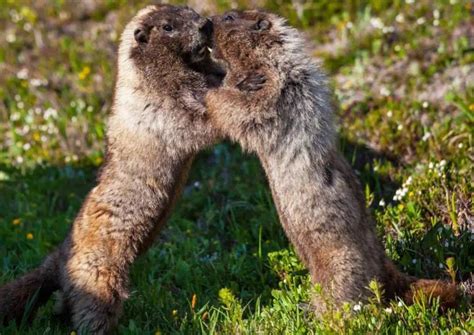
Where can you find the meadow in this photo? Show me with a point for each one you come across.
(403, 75)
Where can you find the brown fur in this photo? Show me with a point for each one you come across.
(158, 123)
(287, 119)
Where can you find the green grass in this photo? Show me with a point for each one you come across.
(403, 74)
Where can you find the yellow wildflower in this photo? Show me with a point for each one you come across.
(84, 73)
(401, 206)
(471, 107)
(174, 312)
(193, 301)
(29, 236)
(16, 222)
(37, 136)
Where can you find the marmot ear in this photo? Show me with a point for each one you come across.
(141, 35)
(262, 25)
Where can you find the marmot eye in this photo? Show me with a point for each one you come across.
(228, 18)
(262, 25)
(167, 27)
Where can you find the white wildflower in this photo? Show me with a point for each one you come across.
(421, 21)
(431, 166)
(11, 37)
(441, 265)
(349, 25)
(81, 104)
(50, 113)
(436, 14)
(384, 91)
(435, 22)
(22, 74)
(27, 26)
(382, 203)
(63, 15)
(460, 145)
(400, 18)
(400, 304)
(387, 30)
(400, 127)
(389, 114)
(36, 82)
(425, 104)
(426, 136)
(15, 16)
(15, 117)
(388, 310)
(20, 105)
(376, 23)
(26, 146)
(113, 35)
(357, 307)
(414, 261)
(400, 193)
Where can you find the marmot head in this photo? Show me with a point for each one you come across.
(252, 36)
(256, 43)
(162, 77)
(162, 40)
(174, 31)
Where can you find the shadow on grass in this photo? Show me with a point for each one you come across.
(220, 234)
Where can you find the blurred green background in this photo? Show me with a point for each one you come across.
(403, 74)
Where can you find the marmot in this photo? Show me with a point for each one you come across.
(288, 123)
(158, 123)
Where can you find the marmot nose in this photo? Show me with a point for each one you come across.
(206, 27)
